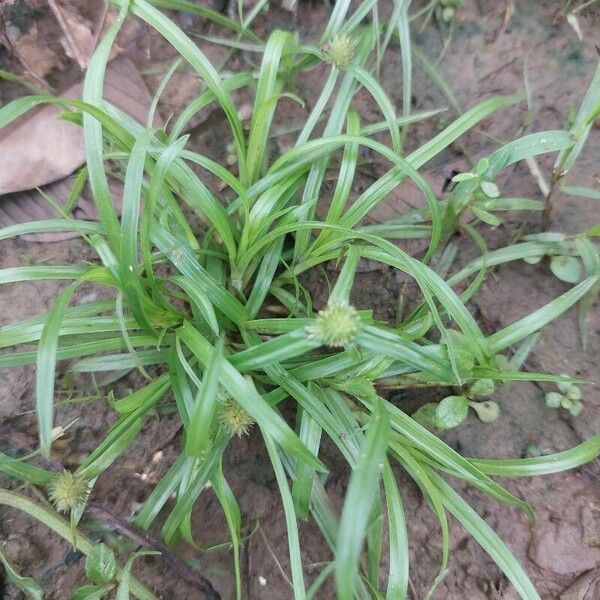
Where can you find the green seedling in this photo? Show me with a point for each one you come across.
(569, 397)
(453, 410)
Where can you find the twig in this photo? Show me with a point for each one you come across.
(274, 557)
(77, 53)
(550, 200)
(100, 24)
(181, 568)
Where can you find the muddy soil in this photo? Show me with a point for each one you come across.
(490, 43)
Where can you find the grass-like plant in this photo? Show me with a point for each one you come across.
(194, 304)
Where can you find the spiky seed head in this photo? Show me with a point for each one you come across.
(335, 326)
(340, 51)
(235, 419)
(68, 491)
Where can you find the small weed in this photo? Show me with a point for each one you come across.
(568, 397)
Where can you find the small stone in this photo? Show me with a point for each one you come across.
(590, 521)
(558, 547)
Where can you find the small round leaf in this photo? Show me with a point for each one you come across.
(490, 189)
(566, 403)
(566, 268)
(425, 416)
(486, 217)
(101, 565)
(564, 386)
(482, 166)
(576, 407)
(451, 411)
(462, 350)
(533, 451)
(448, 14)
(482, 387)
(553, 399)
(574, 393)
(502, 362)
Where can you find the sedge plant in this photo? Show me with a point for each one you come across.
(194, 303)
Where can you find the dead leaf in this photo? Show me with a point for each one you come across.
(40, 149)
(81, 23)
(37, 57)
(78, 40)
(586, 587)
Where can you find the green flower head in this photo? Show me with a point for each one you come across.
(235, 419)
(68, 491)
(340, 51)
(335, 326)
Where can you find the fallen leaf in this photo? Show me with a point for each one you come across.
(586, 587)
(40, 149)
(36, 56)
(81, 22)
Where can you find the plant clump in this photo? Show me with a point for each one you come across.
(216, 317)
(568, 397)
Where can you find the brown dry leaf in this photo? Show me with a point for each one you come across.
(37, 57)
(78, 40)
(586, 587)
(82, 23)
(40, 149)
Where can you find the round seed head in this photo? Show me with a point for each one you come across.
(235, 419)
(68, 491)
(335, 326)
(340, 51)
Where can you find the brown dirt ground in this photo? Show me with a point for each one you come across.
(562, 552)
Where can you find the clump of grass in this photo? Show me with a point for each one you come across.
(192, 303)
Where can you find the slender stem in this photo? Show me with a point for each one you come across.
(63, 528)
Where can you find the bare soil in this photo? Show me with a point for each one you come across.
(485, 57)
